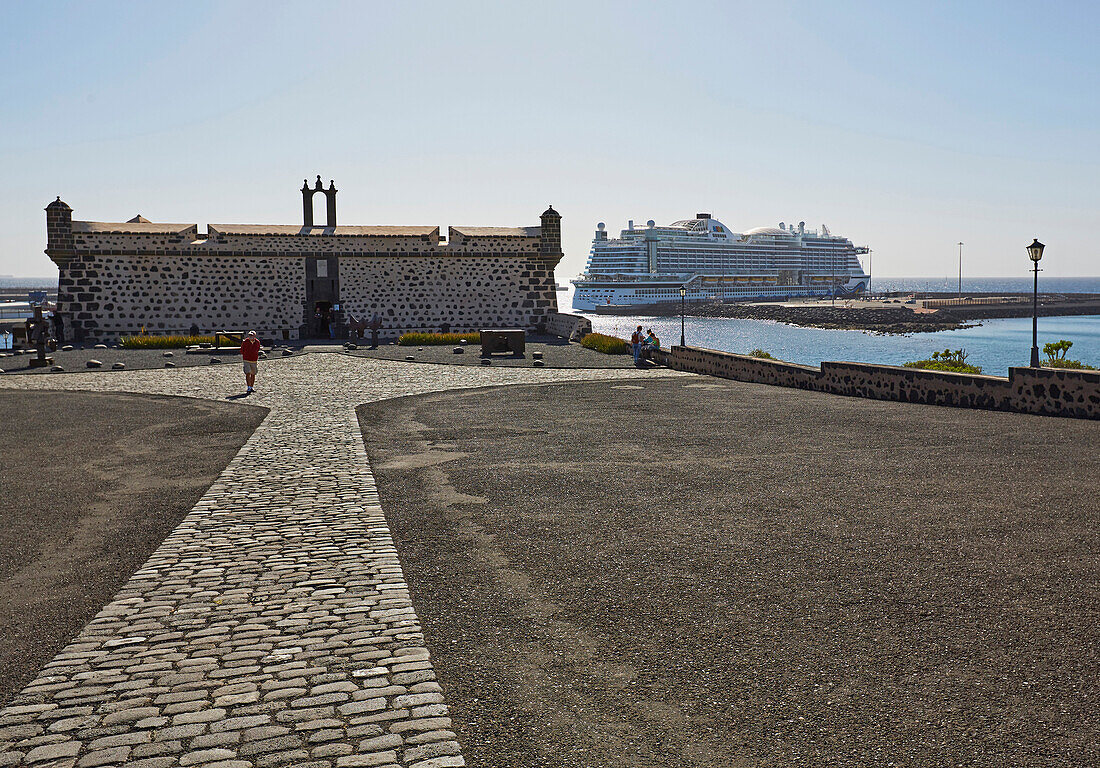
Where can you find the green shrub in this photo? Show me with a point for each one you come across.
(948, 360)
(1056, 356)
(761, 354)
(1076, 365)
(437, 339)
(163, 342)
(609, 345)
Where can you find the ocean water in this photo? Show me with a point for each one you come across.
(995, 345)
(43, 283)
(987, 284)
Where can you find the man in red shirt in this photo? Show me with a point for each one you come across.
(250, 354)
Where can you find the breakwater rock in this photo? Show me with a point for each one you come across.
(884, 320)
(878, 319)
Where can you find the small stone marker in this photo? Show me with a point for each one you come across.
(94, 364)
(169, 354)
(463, 342)
(214, 361)
(536, 355)
(410, 357)
(56, 369)
(486, 361)
(67, 348)
(100, 346)
(458, 351)
(119, 366)
(287, 353)
(169, 364)
(538, 364)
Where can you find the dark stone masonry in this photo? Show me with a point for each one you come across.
(1040, 391)
(291, 282)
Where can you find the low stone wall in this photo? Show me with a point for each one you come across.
(1044, 391)
(572, 327)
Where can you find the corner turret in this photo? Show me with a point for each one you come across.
(59, 232)
(550, 235)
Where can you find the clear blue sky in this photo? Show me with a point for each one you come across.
(905, 127)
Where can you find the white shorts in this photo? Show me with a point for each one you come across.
(250, 366)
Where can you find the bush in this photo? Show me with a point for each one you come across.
(436, 339)
(1075, 365)
(761, 354)
(609, 345)
(163, 342)
(1056, 356)
(950, 361)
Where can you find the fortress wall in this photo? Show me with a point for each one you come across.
(105, 296)
(1043, 391)
(117, 278)
(421, 293)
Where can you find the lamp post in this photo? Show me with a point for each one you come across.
(870, 270)
(960, 270)
(1035, 252)
(683, 295)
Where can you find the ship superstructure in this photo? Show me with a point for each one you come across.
(649, 265)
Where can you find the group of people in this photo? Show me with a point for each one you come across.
(643, 343)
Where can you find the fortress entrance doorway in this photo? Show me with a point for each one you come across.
(322, 304)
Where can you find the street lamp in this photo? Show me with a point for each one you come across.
(1035, 252)
(683, 295)
(960, 270)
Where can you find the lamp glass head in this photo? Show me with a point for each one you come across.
(683, 291)
(1035, 250)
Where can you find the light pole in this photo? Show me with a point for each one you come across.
(683, 295)
(832, 272)
(960, 270)
(870, 270)
(1035, 252)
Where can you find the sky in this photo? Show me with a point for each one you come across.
(906, 127)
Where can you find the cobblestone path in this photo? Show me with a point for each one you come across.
(273, 626)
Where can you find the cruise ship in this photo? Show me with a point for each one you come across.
(649, 265)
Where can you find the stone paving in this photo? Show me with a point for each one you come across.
(273, 626)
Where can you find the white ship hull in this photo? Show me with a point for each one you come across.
(590, 296)
(650, 265)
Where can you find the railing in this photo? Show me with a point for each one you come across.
(934, 303)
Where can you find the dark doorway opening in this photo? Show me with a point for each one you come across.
(322, 320)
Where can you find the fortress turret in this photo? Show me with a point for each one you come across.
(550, 235)
(59, 232)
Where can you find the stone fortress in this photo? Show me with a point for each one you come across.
(120, 278)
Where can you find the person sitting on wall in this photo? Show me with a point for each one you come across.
(652, 343)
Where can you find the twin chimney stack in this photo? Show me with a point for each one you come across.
(307, 202)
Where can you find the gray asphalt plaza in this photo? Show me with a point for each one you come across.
(273, 625)
(701, 573)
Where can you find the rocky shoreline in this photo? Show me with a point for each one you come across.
(882, 319)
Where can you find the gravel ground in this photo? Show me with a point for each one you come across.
(556, 353)
(92, 483)
(699, 572)
(135, 359)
